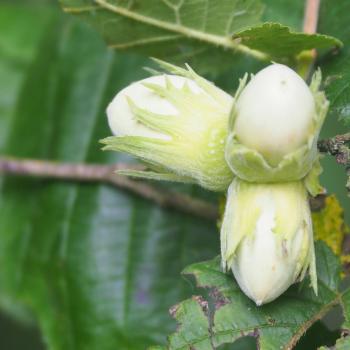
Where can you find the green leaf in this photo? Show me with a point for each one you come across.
(277, 325)
(96, 267)
(182, 30)
(279, 41)
(197, 32)
(334, 20)
(17, 49)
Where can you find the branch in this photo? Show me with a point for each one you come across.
(106, 174)
(338, 146)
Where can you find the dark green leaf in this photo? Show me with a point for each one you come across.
(277, 325)
(319, 333)
(16, 52)
(17, 49)
(98, 268)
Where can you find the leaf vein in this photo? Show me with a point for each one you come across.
(141, 42)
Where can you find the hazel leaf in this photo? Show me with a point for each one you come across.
(201, 32)
(231, 315)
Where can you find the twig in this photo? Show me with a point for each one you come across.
(106, 174)
(338, 146)
(44, 168)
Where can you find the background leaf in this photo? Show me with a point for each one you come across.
(208, 21)
(97, 267)
(208, 30)
(16, 52)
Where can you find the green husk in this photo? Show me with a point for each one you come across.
(249, 165)
(195, 149)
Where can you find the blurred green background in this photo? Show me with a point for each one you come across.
(29, 29)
